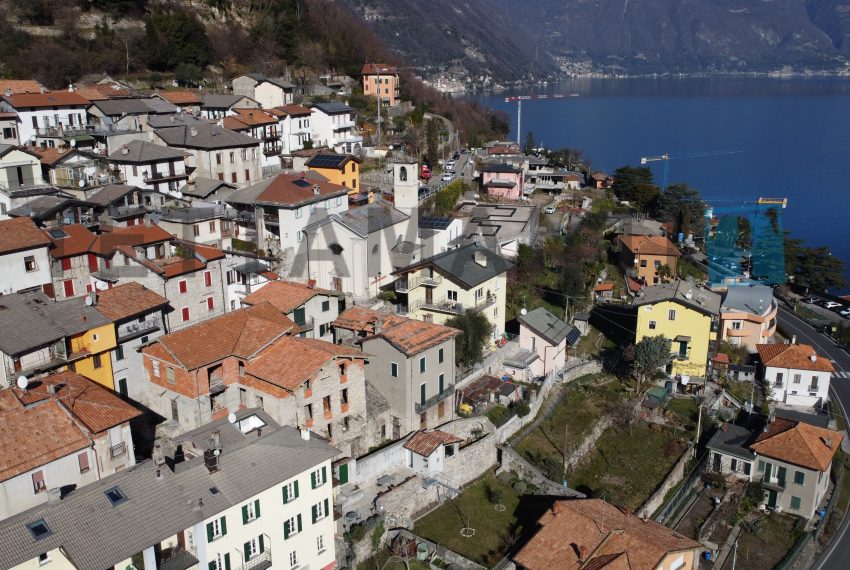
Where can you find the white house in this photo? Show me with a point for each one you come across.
(334, 127)
(267, 91)
(19, 168)
(294, 126)
(9, 128)
(49, 115)
(797, 374)
(24, 261)
(426, 451)
(249, 494)
(311, 308)
(151, 166)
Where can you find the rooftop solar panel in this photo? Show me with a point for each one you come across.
(327, 160)
(435, 223)
(301, 182)
(573, 336)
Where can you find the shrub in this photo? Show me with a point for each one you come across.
(521, 408)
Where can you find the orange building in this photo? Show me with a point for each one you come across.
(381, 80)
(641, 257)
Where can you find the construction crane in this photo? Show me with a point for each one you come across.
(518, 99)
(670, 156)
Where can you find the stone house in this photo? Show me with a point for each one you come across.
(77, 433)
(311, 308)
(267, 91)
(411, 364)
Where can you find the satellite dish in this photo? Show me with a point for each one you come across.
(231, 417)
(179, 195)
(73, 143)
(217, 452)
(22, 382)
(89, 301)
(523, 311)
(82, 183)
(101, 285)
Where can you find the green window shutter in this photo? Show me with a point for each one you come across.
(262, 546)
(244, 514)
(761, 465)
(313, 512)
(209, 532)
(212, 566)
(324, 475)
(795, 503)
(299, 522)
(257, 508)
(247, 548)
(295, 490)
(223, 526)
(227, 561)
(327, 510)
(313, 479)
(286, 530)
(285, 494)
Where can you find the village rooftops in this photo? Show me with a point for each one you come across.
(798, 443)
(135, 106)
(37, 320)
(221, 100)
(286, 296)
(181, 97)
(204, 136)
(291, 110)
(128, 300)
(649, 245)
(44, 207)
(143, 152)
(246, 118)
(114, 237)
(550, 327)
(48, 99)
(500, 168)
(193, 257)
(70, 240)
(288, 190)
(277, 81)
(410, 336)
(590, 534)
(303, 357)
(425, 443)
(20, 234)
(241, 333)
(793, 356)
(20, 86)
(470, 265)
(203, 187)
(682, 292)
(162, 502)
(752, 299)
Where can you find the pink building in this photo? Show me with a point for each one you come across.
(544, 340)
(502, 180)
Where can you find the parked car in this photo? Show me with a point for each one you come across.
(845, 313)
(447, 177)
(456, 156)
(550, 209)
(831, 304)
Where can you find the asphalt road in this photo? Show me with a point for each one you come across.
(838, 553)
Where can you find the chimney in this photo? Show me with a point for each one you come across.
(93, 297)
(42, 90)
(582, 552)
(211, 459)
(158, 455)
(305, 434)
(54, 496)
(379, 324)
(317, 189)
(51, 389)
(216, 439)
(70, 88)
(480, 258)
(814, 357)
(828, 442)
(311, 283)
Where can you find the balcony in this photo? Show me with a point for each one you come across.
(405, 285)
(135, 330)
(343, 125)
(118, 450)
(328, 414)
(309, 423)
(447, 306)
(422, 406)
(259, 562)
(344, 407)
(163, 177)
(773, 483)
(306, 324)
(178, 558)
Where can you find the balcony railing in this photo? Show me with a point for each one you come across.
(307, 324)
(260, 561)
(422, 406)
(405, 285)
(164, 177)
(118, 450)
(178, 558)
(447, 306)
(773, 483)
(136, 330)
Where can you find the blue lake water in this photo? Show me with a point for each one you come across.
(794, 138)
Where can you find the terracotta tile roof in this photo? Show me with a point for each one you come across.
(20, 86)
(295, 110)
(795, 356)
(425, 443)
(721, 358)
(78, 242)
(240, 333)
(128, 300)
(48, 99)
(650, 245)
(181, 97)
(234, 124)
(798, 443)
(590, 533)
(254, 117)
(35, 436)
(605, 286)
(407, 335)
(51, 155)
(20, 234)
(208, 252)
(379, 68)
(92, 94)
(289, 189)
(285, 295)
(134, 236)
(95, 407)
(304, 357)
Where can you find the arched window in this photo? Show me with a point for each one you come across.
(336, 248)
(402, 174)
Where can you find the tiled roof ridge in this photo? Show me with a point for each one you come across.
(271, 341)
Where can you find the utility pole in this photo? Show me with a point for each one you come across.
(699, 428)
(378, 93)
(564, 478)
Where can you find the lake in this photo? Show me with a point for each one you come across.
(793, 136)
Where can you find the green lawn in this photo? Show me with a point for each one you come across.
(499, 415)
(580, 409)
(767, 544)
(593, 343)
(473, 509)
(741, 391)
(686, 411)
(628, 464)
(687, 269)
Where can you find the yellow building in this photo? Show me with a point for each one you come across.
(342, 169)
(449, 284)
(687, 315)
(96, 344)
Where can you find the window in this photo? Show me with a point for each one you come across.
(320, 544)
(671, 314)
(218, 158)
(182, 286)
(260, 402)
(440, 357)
(43, 558)
(797, 378)
(184, 313)
(29, 263)
(451, 296)
(39, 529)
(244, 154)
(196, 230)
(747, 468)
(656, 264)
(652, 325)
(233, 177)
(68, 287)
(814, 384)
(326, 305)
(324, 329)
(116, 496)
(353, 166)
(799, 478)
(232, 158)
(795, 503)
(292, 526)
(442, 383)
(216, 529)
(96, 363)
(422, 364)
(643, 263)
(479, 294)
(83, 461)
(290, 492)
(422, 398)
(247, 175)
(66, 264)
(251, 511)
(318, 477)
(760, 466)
(119, 352)
(155, 367)
(169, 374)
(299, 236)
(207, 279)
(122, 387)
(210, 304)
(220, 562)
(736, 325)
(293, 558)
(779, 377)
(320, 511)
(336, 249)
(339, 200)
(449, 450)
(394, 369)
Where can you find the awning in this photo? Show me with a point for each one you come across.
(682, 338)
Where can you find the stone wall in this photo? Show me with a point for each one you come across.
(589, 441)
(512, 461)
(673, 478)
